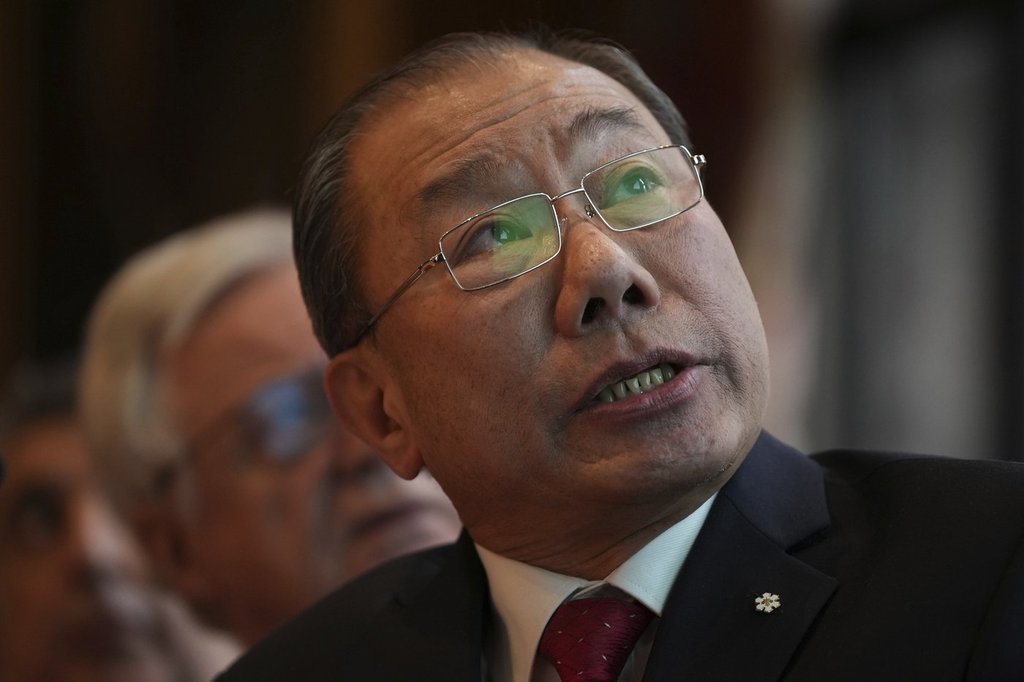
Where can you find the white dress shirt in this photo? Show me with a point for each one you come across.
(525, 596)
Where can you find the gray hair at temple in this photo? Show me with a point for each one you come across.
(147, 309)
(328, 215)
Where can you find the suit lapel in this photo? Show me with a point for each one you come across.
(710, 628)
(442, 622)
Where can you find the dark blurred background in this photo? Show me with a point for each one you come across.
(866, 155)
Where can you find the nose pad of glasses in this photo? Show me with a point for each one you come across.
(587, 209)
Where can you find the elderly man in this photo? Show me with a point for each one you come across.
(202, 395)
(506, 250)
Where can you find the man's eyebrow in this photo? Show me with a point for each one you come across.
(475, 172)
(592, 122)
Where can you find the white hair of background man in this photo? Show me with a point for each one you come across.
(146, 311)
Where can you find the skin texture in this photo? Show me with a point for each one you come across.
(492, 390)
(75, 605)
(251, 542)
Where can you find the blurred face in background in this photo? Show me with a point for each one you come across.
(74, 602)
(279, 504)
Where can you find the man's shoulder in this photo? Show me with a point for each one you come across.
(928, 557)
(909, 473)
(335, 632)
(926, 498)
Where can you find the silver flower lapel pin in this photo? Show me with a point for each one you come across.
(767, 602)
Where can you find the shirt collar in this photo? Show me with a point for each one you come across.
(525, 596)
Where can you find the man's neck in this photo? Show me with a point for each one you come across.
(594, 552)
(525, 596)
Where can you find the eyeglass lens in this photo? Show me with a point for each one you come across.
(512, 238)
(286, 419)
(642, 189)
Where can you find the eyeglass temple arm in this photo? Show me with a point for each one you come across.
(419, 272)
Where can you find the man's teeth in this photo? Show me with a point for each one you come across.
(635, 385)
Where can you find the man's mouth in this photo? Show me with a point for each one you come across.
(637, 384)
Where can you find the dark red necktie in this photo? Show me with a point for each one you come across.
(589, 640)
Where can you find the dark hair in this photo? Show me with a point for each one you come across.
(327, 215)
(37, 392)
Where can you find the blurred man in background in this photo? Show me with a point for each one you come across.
(77, 603)
(202, 394)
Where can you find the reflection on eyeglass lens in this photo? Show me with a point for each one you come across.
(284, 420)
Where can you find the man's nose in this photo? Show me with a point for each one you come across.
(602, 281)
(102, 545)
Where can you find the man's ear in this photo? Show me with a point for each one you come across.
(364, 398)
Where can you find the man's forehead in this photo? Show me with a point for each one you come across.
(49, 447)
(475, 117)
(456, 107)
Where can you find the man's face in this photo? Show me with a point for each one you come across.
(75, 604)
(498, 388)
(274, 523)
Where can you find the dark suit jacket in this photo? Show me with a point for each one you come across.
(888, 567)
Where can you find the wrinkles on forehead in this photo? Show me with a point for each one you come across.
(448, 110)
(480, 170)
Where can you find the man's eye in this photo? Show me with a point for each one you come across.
(504, 231)
(630, 184)
(38, 518)
(489, 234)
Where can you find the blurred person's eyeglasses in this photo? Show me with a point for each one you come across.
(278, 423)
(515, 237)
(285, 419)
